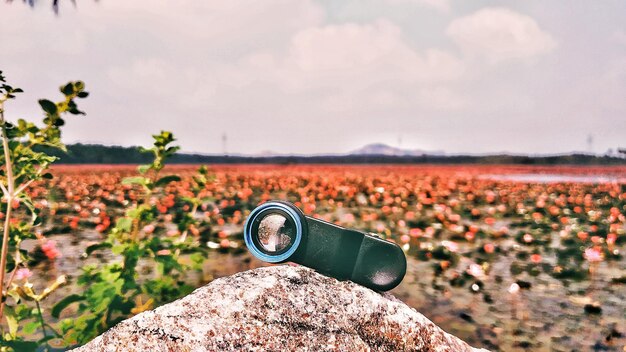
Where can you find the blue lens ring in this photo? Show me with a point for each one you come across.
(247, 235)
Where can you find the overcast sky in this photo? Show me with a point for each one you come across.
(328, 76)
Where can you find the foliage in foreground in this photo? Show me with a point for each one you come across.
(22, 165)
(112, 291)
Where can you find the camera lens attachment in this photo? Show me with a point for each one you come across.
(278, 231)
(273, 231)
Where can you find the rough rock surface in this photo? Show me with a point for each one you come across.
(279, 308)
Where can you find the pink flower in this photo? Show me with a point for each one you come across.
(535, 258)
(49, 248)
(593, 255)
(528, 238)
(514, 288)
(172, 233)
(476, 271)
(451, 246)
(347, 218)
(148, 229)
(23, 274)
(415, 232)
(611, 238)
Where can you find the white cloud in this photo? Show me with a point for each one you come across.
(439, 5)
(344, 68)
(352, 66)
(607, 90)
(619, 37)
(349, 76)
(223, 21)
(376, 49)
(499, 34)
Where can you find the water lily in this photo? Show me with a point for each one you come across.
(23, 274)
(451, 246)
(476, 270)
(49, 248)
(535, 258)
(528, 238)
(593, 255)
(514, 288)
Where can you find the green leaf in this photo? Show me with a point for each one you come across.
(95, 247)
(45, 339)
(30, 328)
(12, 323)
(166, 179)
(124, 224)
(197, 259)
(118, 249)
(83, 95)
(75, 111)
(143, 169)
(121, 305)
(47, 176)
(48, 106)
(31, 207)
(56, 145)
(137, 180)
(68, 89)
(79, 85)
(62, 304)
(22, 346)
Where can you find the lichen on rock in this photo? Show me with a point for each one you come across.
(279, 308)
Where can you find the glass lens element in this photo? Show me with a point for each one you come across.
(276, 233)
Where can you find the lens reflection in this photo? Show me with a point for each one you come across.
(276, 232)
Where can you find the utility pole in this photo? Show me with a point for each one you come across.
(590, 144)
(224, 144)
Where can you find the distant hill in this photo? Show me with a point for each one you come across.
(384, 149)
(101, 154)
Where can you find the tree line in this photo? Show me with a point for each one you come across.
(100, 154)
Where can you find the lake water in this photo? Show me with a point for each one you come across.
(555, 178)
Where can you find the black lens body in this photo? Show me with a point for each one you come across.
(331, 250)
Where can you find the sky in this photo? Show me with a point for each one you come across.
(311, 77)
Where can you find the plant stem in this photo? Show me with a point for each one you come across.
(7, 219)
(183, 237)
(43, 325)
(18, 261)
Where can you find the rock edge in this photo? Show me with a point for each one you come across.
(279, 308)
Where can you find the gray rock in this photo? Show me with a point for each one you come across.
(279, 308)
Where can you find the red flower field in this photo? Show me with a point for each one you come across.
(505, 257)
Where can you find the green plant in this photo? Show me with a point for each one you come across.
(21, 164)
(144, 234)
(114, 291)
